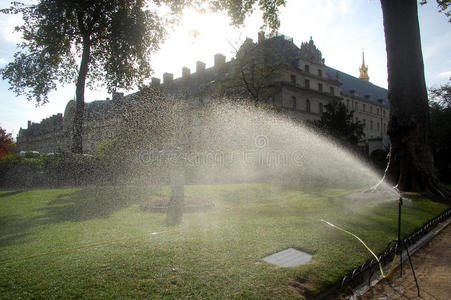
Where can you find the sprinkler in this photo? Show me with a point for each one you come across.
(400, 244)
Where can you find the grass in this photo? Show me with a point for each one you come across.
(97, 243)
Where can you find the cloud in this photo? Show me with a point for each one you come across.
(8, 32)
(445, 74)
(2, 61)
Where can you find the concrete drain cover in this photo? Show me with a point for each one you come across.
(288, 258)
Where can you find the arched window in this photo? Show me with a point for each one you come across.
(307, 105)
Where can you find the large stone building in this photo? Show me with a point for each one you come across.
(300, 89)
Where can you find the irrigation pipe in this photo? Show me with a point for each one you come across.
(367, 248)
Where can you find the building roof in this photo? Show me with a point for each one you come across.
(353, 86)
(98, 109)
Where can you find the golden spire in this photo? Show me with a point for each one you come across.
(364, 69)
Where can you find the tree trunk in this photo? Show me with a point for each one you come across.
(176, 203)
(77, 141)
(411, 163)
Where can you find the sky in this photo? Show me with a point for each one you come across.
(341, 29)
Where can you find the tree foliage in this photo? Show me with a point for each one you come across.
(440, 111)
(6, 140)
(337, 121)
(443, 6)
(118, 35)
(442, 95)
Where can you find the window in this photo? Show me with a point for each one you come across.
(307, 84)
(377, 125)
(307, 105)
(347, 104)
(320, 87)
(377, 111)
(363, 107)
(332, 92)
(383, 112)
(307, 68)
(371, 124)
(293, 101)
(371, 109)
(321, 108)
(320, 73)
(364, 123)
(356, 106)
(293, 79)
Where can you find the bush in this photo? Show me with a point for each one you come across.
(61, 169)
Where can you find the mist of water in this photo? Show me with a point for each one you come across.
(232, 142)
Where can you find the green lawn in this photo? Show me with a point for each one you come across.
(97, 243)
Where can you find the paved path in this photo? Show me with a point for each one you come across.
(432, 264)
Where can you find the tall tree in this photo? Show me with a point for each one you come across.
(411, 163)
(110, 40)
(337, 121)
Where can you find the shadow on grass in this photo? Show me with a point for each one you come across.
(81, 205)
(11, 193)
(89, 203)
(14, 229)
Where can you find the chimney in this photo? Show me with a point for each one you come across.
(261, 37)
(167, 78)
(155, 82)
(219, 60)
(200, 67)
(117, 96)
(185, 73)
